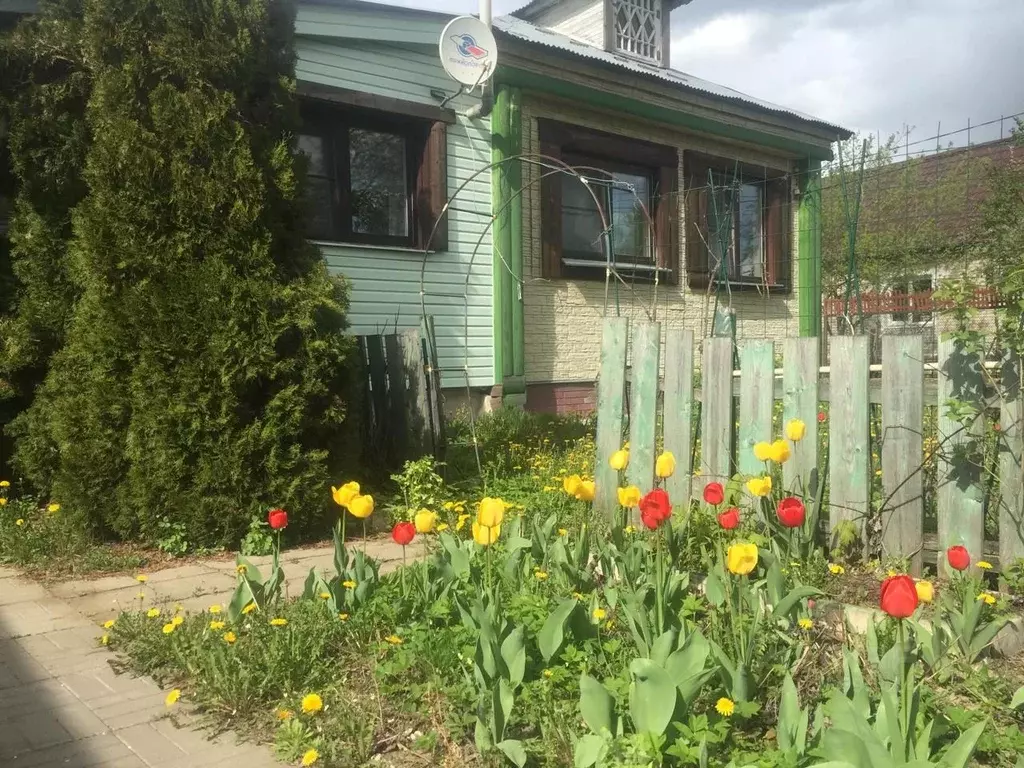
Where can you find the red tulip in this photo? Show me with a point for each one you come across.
(791, 512)
(899, 596)
(729, 519)
(656, 506)
(821, 416)
(958, 558)
(714, 493)
(649, 519)
(277, 518)
(403, 533)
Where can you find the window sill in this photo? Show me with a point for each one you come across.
(370, 247)
(742, 286)
(588, 269)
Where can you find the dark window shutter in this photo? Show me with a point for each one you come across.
(432, 190)
(697, 269)
(666, 221)
(550, 210)
(778, 234)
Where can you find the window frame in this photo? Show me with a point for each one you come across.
(584, 147)
(425, 161)
(776, 223)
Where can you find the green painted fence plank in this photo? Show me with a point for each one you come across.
(678, 411)
(1011, 479)
(960, 496)
(716, 411)
(849, 469)
(757, 382)
(800, 365)
(611, 388)
(643, 404)
(902, 454)
(397, 425)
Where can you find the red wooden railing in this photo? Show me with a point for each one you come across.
(872, 303)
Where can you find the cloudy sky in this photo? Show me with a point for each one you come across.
(870, 65)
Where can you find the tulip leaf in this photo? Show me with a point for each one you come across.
(982, 640)
(513, 749)
(590, 750)
(714, 588)
(1018, 699)
(456, 555)
(552, 634)
(504, 699)
(890, 668)
(652, 697)
(482, 736)
(688, 661)
(662, 647)
(513, 653)
(597, 706)
(786, 604)
(959, 755)
(872, 644)
(789, 715)
(340, 553)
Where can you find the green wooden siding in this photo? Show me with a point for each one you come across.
(385, 282)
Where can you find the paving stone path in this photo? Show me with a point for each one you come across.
(61, 704)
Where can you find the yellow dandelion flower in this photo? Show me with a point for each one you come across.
(285, 714)
(312, 703)
(348, 584)
(394, 639)
(53, 508)
(278, 622)
(984, 565)
(309, 757)
(343, 616)
(109, 623)
(563, 531)
(153, 613)
(229, 637)
(249, 608)
(441, 527)
(215, 609)
(169, 627)
(547, 673)
(725, 707)
(105, 639)
(986, 598)
(172, 698)
(805, 623)
(140, 595)
(217, 626)
(5, 483)
(461, 522)
(142, 578)
(325, 595)
(241, 568)
(20, 521)
(600, 614)
(540, 575)
(629, 530)
(835, 569)
(177, 621)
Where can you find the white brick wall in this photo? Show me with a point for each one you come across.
(563, 318)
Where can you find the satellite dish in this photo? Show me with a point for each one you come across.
(468, 50)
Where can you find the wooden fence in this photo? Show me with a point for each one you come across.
(402, 413)
(850, 386)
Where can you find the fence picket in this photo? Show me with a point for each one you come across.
(716, 412)
(849, 447)
(902, 424)
(611, 386)
(800, 401)
(960, 496)
(1011, 479)
(757, 396)
(643, 404)
(678, 411)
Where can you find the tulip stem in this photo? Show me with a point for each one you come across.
(659, 586)
(905, 674)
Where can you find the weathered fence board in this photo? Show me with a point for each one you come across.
(902, 455)
(643, 404)
(1011, 479)
(757, 371)
(678, 411)
(960, 496)
(716, 412)
(397, 395)
(417, 406)
(800, 402)
(849, 448)
(611, 388)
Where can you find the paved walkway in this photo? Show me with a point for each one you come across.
(61, 704)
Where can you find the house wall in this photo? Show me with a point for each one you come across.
(386, 282)
(563, 318)
(582, 19)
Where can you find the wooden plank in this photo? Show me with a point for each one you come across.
(902, 455)
(378, 389)
(678, 411)
(757, 365)
(800, 401)
(611, 389)
(716, 412)
(398, 430)
(960, 496)
(643, 404)
(849, 470)
(417, 407)
(1011, 478)
(433, 379)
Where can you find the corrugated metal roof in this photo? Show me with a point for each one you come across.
(531, 33)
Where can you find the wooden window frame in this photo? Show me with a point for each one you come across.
(426, 176)
(575, 145)
(776, 219)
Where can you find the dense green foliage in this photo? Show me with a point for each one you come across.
(199, 371)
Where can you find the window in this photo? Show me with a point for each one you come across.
(373, 178)
(638, 28)
(913, 293)
(622, 179)
(738, 225)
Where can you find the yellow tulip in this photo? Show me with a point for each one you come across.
(619, 460)
(925, 591)
(425, 521)
(762, 451)
(343, 496)
(741, 558)
(760, 486)
(490, 513)
(361, 506)
(571, 484)
(629, 496)
(586, 490)
(665, 465)
(485, 535)
(780, 452)
(795, 430)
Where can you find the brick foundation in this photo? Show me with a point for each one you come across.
(561, 398)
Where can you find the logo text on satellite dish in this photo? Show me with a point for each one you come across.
(467, 47)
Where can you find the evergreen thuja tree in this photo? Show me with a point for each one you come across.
(204, 369)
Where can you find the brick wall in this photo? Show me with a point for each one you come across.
(563, 317)
(561, 398)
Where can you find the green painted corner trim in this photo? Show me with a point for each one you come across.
(500, 231)
(515, 253)
(517, 77)
(809, 251)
